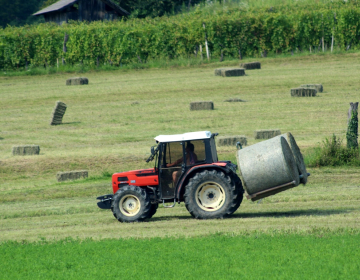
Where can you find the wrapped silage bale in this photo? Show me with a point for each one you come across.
(299, 160)
(267, 168)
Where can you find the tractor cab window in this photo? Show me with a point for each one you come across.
(171, 167)
(195, 152)
(174, 152)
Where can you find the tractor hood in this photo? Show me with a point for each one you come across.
(141, 178)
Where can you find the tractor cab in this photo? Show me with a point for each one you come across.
(177, 154)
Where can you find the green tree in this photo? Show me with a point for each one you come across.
(155, 8)
(18, 12)
(352, 131)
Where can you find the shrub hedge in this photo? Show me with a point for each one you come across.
(249, 31)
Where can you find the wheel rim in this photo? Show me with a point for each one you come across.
(129, 205)
(210, 196)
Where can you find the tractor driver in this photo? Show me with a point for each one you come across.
(191, 158)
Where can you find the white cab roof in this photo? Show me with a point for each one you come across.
(183, 137)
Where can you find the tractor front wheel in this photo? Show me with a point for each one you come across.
(211, 194)
(131, 204)
(153, 210)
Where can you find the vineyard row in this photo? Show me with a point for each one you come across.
(231, 34)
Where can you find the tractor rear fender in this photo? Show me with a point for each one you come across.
(184, 179)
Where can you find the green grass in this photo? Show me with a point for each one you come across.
(280, 255)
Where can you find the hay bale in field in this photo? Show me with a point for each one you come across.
(77, 81)
(297, 156)
(235, 72)
(58, 113)
(232, 140)
(203, 105)
(251, 65)
(303, 92)
(71, 175)
(235, 100)
(266, 133)
(218, 71)
(26, 150)
(230, 72)
(267, 168)
(318, 87)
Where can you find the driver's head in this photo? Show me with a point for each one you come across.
(190, 147)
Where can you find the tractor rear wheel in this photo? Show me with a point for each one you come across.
(131, 204)
(239, 190)
(211, 194)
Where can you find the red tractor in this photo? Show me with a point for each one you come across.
(187, 170)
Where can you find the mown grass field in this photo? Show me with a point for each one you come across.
(109, 126)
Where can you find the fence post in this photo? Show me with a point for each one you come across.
(206, 43)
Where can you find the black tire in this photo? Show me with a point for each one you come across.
(210, 195)
(153, 210)
(239, 190)
(131, 204)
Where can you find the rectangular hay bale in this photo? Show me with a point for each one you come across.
(266, 133)
(71, 175)
(26, 150)
(230, 72)
(318, 87)
(235, 72)
(232, 140)
(77, 81)
(251, 65)
(218, 71)
(203, 105)
(58, 113)
(303, 92)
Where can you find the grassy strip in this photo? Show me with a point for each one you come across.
(332, 153)
(281, 255)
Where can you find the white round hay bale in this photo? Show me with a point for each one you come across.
(267, 167)
(297, 156)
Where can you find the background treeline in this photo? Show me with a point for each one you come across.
(18, 12)
(233, 32)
